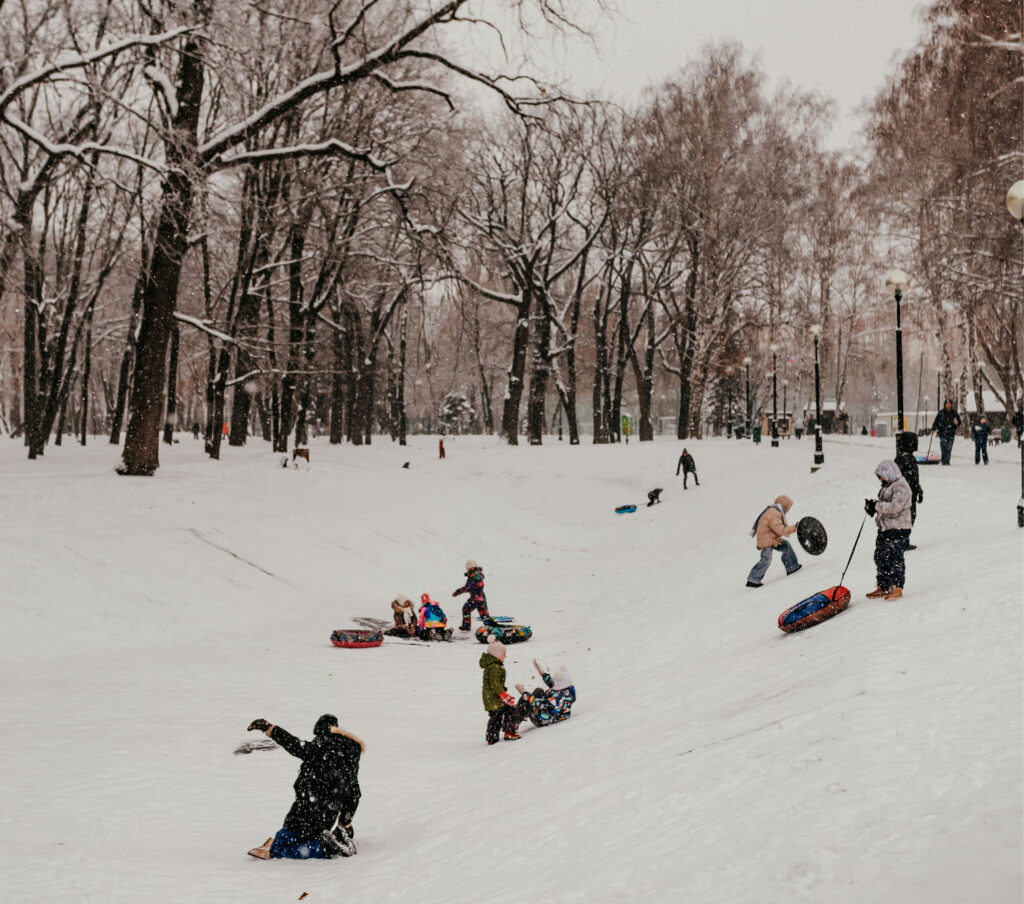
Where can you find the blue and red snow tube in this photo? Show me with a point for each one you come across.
(815, 609)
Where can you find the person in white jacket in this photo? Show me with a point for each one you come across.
(891, 511)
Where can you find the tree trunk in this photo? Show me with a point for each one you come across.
(517, 370)
(141, 453)
(172, 386)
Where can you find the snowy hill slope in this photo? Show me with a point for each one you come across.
(710, 758)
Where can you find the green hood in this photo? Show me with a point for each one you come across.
(494, 681)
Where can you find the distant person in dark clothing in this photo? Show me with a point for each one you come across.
(687, 466)
(319, 824)
(981, 432)
(945, 425)
(906, 461)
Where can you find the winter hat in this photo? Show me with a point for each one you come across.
(497, 649)
(785, 502)
(324, 725)
(471, 564)
(562, 679)
(888, 470)
(425, 600)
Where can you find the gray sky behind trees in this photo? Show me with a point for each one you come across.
(842, 48)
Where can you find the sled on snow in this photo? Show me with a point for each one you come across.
(355, 638)
(500, 627)
(931, 458)
(815, 609)
(625, 509)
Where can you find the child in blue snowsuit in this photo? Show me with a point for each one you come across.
(547, 706)
(474, 586)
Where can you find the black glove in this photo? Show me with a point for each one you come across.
(869, 506)
(258, 725)
(920, 496)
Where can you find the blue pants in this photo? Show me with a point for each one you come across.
(788, 560)
(890, 566)
(980, 451)
(946, 446)
(288, 845)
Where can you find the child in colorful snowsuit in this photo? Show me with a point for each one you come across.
(319, 823)
(545, 706)
(770, 530)
(891, 511)
(432, 623)
(499, 703)
(474, 586)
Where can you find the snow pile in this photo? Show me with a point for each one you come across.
(710, 757)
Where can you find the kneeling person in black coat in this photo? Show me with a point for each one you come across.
(319, 823)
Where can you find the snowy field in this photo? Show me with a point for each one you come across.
(710, 757)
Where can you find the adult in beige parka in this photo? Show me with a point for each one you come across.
(770, 530)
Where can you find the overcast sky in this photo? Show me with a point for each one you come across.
(843, 48)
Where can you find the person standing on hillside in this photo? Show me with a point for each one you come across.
(945, 425)
(981, 432)
(499, 703)
(687, 466)
(770, 530)
(906, 446)
(319, 823)
(474, 586)
(891, 511)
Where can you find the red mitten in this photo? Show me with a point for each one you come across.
(507, 698)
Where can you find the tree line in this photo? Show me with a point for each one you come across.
(278, 218)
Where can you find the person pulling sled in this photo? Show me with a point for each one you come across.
(891, 511)
(319, 824)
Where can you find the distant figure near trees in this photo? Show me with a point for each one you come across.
(687, 466)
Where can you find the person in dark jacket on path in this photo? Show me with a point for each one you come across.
(981, 432)
(687, 466)
(499, 703)
(906, 446)
(891, 511)
(319, 823)
(945, 425)
(474, 586)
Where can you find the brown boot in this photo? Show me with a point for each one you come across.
(263, 851)
(878, 593)
(896, 593)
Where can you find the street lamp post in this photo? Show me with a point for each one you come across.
(897, 281)
(1015, 204)
(774, 349)
(728, 409)
(819, 455)
(785, 410)
(746, 364)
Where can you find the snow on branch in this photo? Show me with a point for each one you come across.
(392, 85)
(59, 149)
(328, 148)
(77, 62)
(204, 327)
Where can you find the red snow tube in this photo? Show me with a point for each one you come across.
(815, 609)
(356, 638)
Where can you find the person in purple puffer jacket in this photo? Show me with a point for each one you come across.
(474, 586)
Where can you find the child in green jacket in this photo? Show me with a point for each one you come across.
(499, 703)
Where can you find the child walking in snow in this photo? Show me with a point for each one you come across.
(474, 586)
(771, 529)
(499, 703)
(891, 511)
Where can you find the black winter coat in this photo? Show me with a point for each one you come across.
(946, 423)
(687, 464)
(907, 464)
(328, 783)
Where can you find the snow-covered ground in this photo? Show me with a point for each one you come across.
(877, 757)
